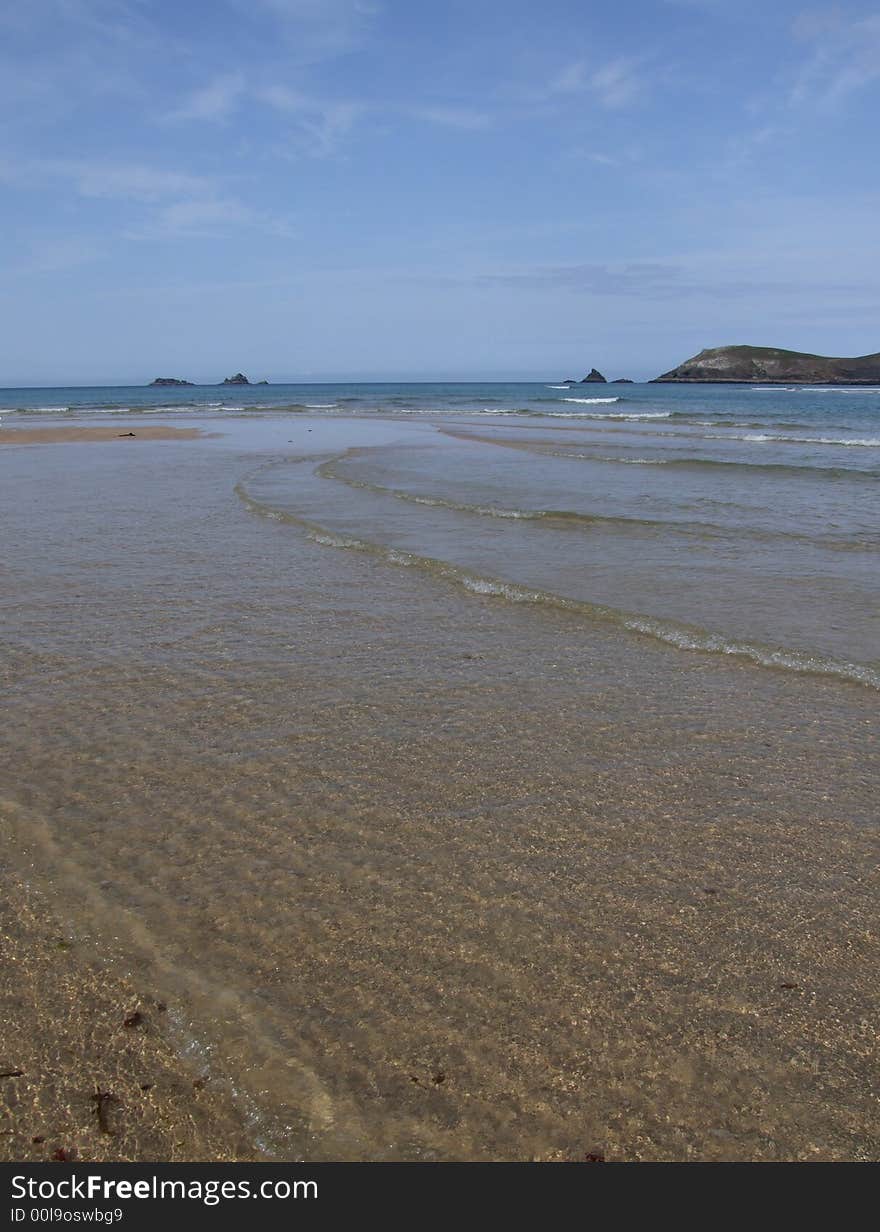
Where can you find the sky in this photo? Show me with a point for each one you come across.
(380, 189)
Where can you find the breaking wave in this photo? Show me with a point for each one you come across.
(870, 442)
(690, 463)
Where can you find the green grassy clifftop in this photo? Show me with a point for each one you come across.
(770, 364)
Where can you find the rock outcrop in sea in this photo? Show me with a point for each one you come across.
(594, 377)
(769, 365)
(169, 380)
(238, 379)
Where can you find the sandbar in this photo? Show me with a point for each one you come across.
(58, 435)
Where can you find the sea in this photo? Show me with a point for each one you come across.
(449, 771)
(734, 520)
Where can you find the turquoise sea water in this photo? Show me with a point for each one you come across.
(735, 520)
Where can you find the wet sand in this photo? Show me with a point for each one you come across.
(60, 435)
(417, 875)
(90, 1066)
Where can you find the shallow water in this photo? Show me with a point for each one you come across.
(776, 562)
(737, 520)
(422, 872)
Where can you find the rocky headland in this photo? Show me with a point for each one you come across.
(770, 365)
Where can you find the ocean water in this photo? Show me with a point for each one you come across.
(740, 521)
(767, 406)
(467, 785)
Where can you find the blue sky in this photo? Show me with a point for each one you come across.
(312, 189)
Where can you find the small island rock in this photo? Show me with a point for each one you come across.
(238, 379)
(595, 377)
(169, 380)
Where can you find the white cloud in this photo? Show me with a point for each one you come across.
(617, 83)
(845, 57)
(320, 126)
(283, 98)
(571, 80)
(48, 254)
(201, 215)
(207, 218)
(214, 101)
(109, 180)
(57, 55)
(713, 276)
(325, 127)
(119, 21)
(744, 147)
(123, 181)
(711, 6)
(317, 29)
(467, 118)
(613, 85)
(166, 203)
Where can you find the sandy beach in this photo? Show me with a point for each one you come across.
(89, 1066)
(415, 872)
(58, 434)
(439, 597)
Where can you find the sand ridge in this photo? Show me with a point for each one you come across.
(59, 435)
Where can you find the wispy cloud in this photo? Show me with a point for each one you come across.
(321, 129)
(207, 218)
(844, 57)
(710, 6)
(124, 181)
(214, 101)
(316, 29)
(319, 125)
(163, 202)
(614, 85)
(648, 280)
(87, 49)
(467, 118)
(617, 83)
(573, 79)
(642, 278)
(106, 178)
(199, 216)
(116, 21)
(55, 254)
(743, 148)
